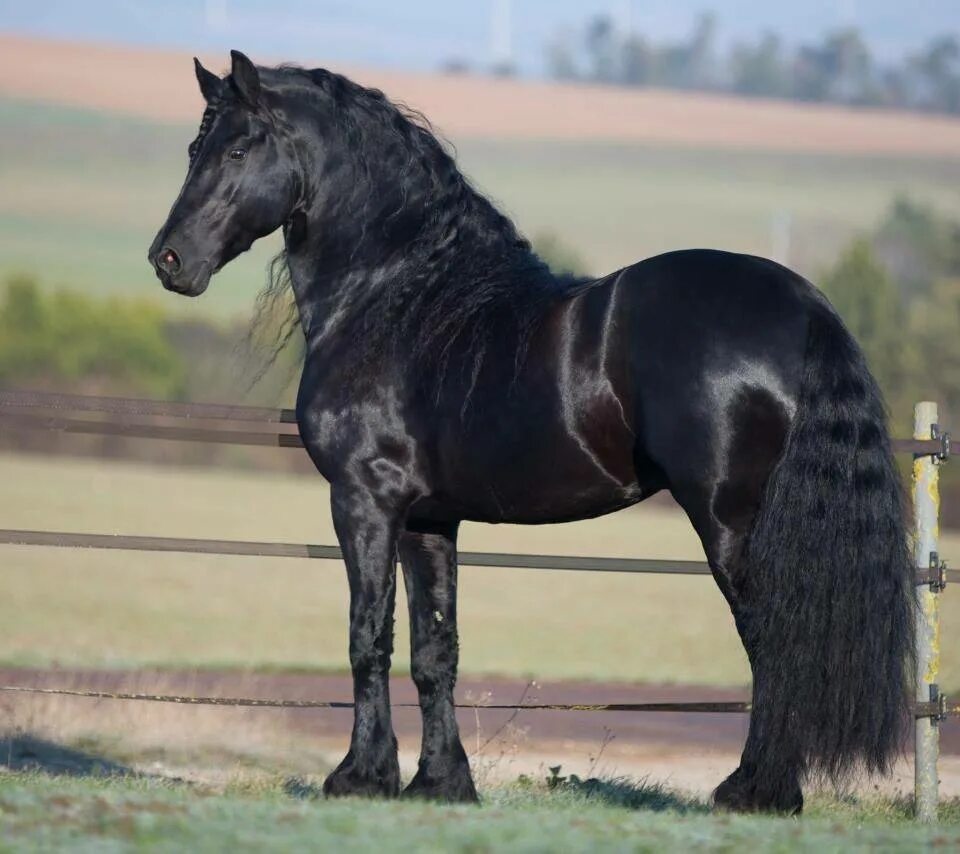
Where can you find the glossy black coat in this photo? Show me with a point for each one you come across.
(538, 400)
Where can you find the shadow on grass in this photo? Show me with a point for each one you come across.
(616, 792)
(626, 793)
(27, 753)
(297, 787)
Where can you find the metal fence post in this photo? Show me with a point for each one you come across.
(926, 514)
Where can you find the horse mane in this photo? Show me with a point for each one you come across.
(462, 266)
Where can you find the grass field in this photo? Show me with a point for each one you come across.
(84, 193)
(40, 813)
(95, 608)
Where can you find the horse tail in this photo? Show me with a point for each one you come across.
(828, 576)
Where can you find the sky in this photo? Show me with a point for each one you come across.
(423, 34)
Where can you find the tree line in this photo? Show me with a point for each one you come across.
(65, 340)
(840, 68)
(898, 291)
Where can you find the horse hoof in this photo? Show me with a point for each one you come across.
(357, 779)
(454, 787)
(736, 794)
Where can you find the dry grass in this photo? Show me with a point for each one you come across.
(96, 608)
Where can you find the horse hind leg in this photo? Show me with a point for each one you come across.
(767, 779)
(722, 510)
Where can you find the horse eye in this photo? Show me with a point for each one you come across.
(237, 154)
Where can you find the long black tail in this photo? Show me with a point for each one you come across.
(829, 575)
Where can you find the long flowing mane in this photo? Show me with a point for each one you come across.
(456, 265)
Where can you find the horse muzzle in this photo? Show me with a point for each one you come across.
(175, 276)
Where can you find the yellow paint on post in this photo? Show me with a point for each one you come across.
(926, 515)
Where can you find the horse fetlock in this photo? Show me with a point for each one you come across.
(365, 776)
(447, 779)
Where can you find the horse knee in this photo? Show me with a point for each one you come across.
(370, 653)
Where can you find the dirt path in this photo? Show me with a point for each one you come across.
(159, 85)
(714, 731)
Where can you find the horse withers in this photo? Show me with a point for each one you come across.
(449, 375)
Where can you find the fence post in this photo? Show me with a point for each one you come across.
(926, 514)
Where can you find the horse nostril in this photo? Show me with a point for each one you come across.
(169, 261)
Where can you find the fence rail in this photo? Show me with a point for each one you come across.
(29, 410)
(123, 542)
(920, 710)
(138, 407)
(12, 416)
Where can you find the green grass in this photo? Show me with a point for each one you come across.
(39, 813)
(96, 608)
(84, 193)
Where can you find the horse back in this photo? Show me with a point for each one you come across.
(620, 377)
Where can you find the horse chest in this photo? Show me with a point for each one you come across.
(351, 439)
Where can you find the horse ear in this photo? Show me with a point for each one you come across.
(245, 77)
(211, 86)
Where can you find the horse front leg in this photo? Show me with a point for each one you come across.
(368, 537)
(430, 573)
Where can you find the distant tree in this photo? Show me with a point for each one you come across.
(933, 330)
(638, 62)
(838, 69)
(761, 68)
(937, 73)
(65, 337)
(867, 300)
(601, 45)
(561, 58)
(852, 66)
(918, 245)
(894, 87)
(921, 249)
(700, 60)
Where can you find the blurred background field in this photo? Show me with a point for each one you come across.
(85, 608)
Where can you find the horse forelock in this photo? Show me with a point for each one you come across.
(210, 113)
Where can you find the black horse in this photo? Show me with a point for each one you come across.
(449, 375)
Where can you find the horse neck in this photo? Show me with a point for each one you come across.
(325, 302)
(341, 271)
(372, 259)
